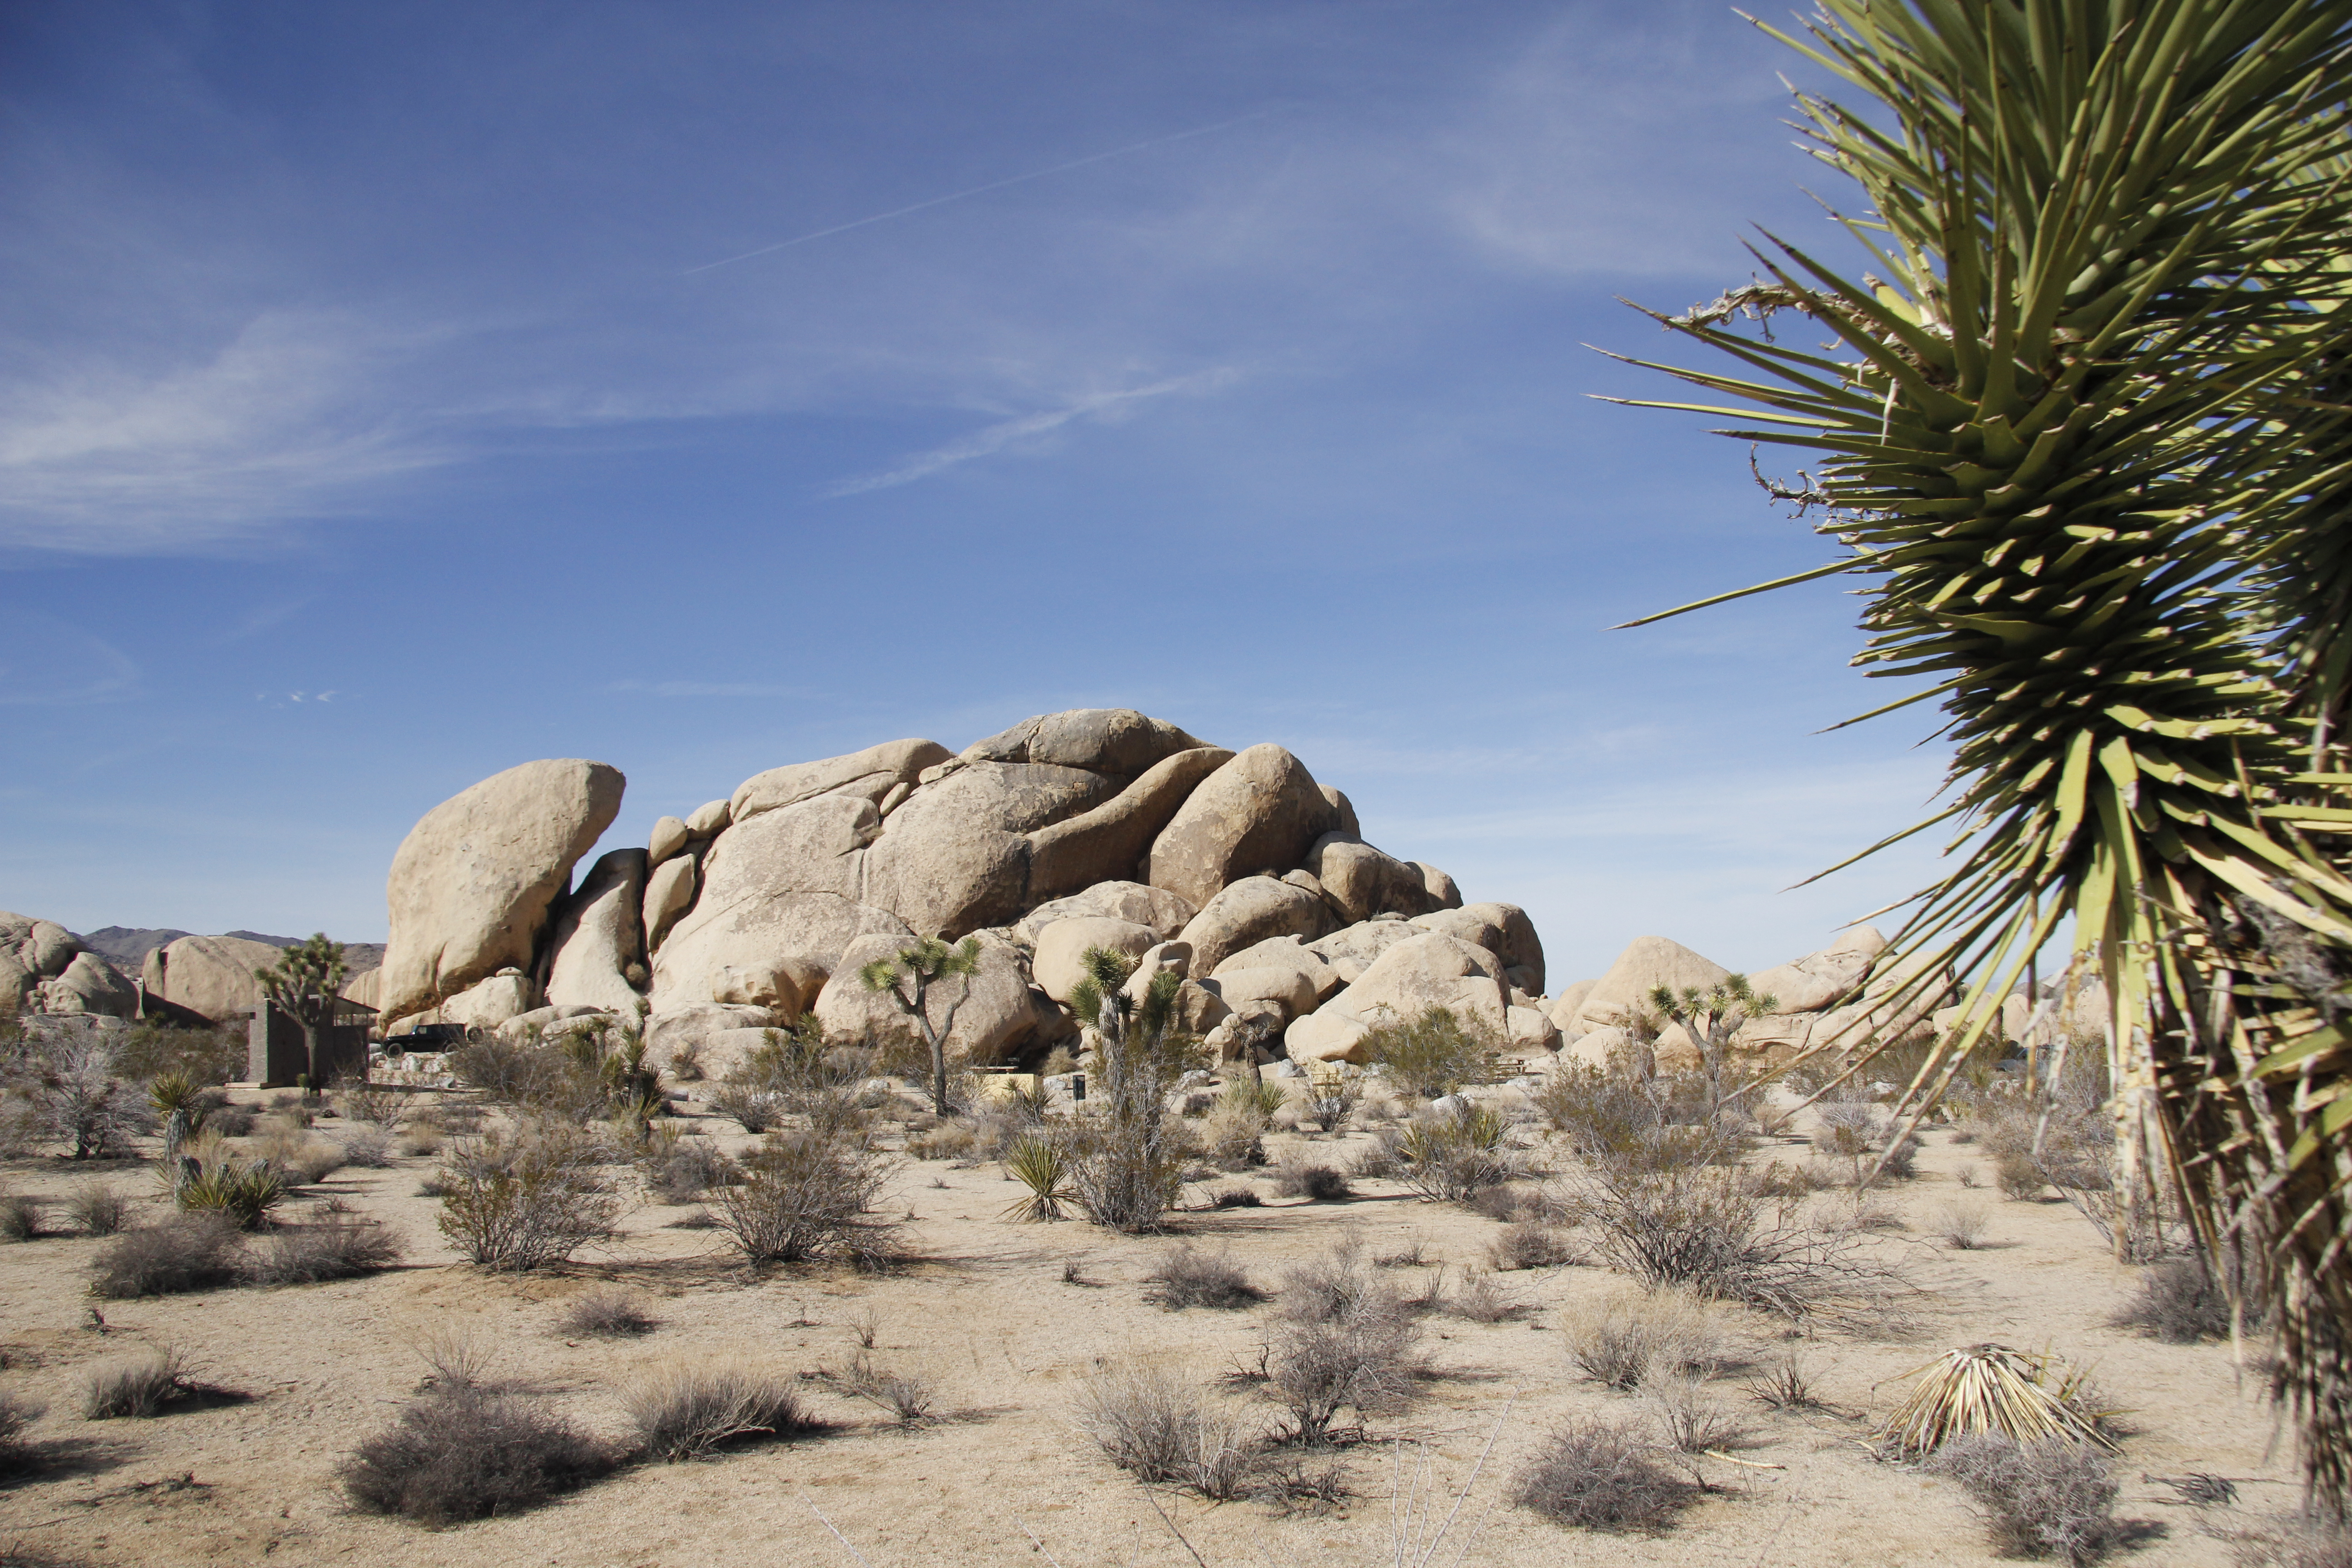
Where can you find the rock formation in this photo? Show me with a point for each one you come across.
(43, 968)
(1099, 826)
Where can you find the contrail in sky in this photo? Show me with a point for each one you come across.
(980, 190)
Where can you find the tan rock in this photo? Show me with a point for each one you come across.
(1056, 968)
(668, 837)
(1258, 813)
(1287, 954)
(1134, 903)
(1324, 1036)
(1647, 962)
(868, 774)
(987, 1014)
(1175, 957)
(1606, 1047)
(1503, 929)
(1429, 970)
(669, 893)
(1343, 812)
(785, 986)
(213, 975)
(1102, 740)
(88, 985)
(1111, 841)
(1441, 886)
(711, 819)
(599, 941)
(1363, 882)
(1352, 951)
(42, 949)
(1249, 911)
(1530, 1033)
(492, 1001)
(955, 858)
(1568, 1006)
(701, 1026)
(1809, 983)
(471, 885)
(1288, 987)
(1249, 1033)
(365, 987)
(1775, 1035)
(784, 883)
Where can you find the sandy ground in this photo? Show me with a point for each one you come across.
(985, 1313)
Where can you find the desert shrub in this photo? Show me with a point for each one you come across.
(908, 1396)
(1433, 1053)
(1483, 1299)
(2177, 1302)
(1188, 1278)
(2307, 1539)
(1237, 1196)
(1382, 1158)
(239, 1193)
(2051, 1499)
(461, 1454)
(367, 1145)
(188, 1252)
(680, 1169)
(1639, 1338)
(378, 1106)
(1962, 1226)
(1515, 1201)
(807, 1195)
(420, 1138)
(1318, 1182)
(688, 1410)
(1331, 1103)
(135, 1390)
(231, 1121)
(1527, 1245)
(1234, 1133)
(207, 1056)
(20, 1216)
(1040, 1162)
(1451, 1155)
(1596, 1474)
(1597, 1112)
(1711, 1232)
(955, 1139)
(1253, 1097)
(16, 1454)
(754, 1110)
(1341, 1339)
(606, 1314)
(1785, 1384)
(1156, 1426)
(340, 1246)
(517, 1200)
(1693, 1420)
(316, 1161)
(79, 1100)
(97, 1210)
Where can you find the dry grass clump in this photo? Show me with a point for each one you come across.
(1693, 1420)
(367, 1145)
(1962, 1226)
(1190, 1278)
(187, 1252)
(1599, 1474)
(678, 1170)
(2054, 1497)
(1786, 1383)
(1639, 1337)
(754, 1110)
(2303, 1540)
(17, 1456)
(516, 1201)
(339, 1247)
(947, 1141)
(135, 1390)
(2179, 1302)
(808, 1195)
(688, 1410)
(461, 1453)
(1989, 1390)
(908, 1396)
(1234, 1195)
(97, 1210)
(1451, 1155)
(1317, 1183)
(1483, 1299)
(1158, 1427)
(1528, 1245)
(609, 1315)
(20, 1217)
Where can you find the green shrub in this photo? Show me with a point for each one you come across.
(807, 1195)
(1431, 1053)
(240, 1193)
(519, 1200)
(1453, 1156)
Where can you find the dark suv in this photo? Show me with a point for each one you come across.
(427, 1037)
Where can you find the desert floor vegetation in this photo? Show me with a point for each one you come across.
(1273, 1371)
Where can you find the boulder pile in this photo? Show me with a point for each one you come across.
(44, 968)
(1092, 827)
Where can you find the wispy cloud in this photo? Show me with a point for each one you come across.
(703, 688)
(46, 663)
(994, 439)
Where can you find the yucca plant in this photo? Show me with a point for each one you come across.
(1127, 1166)
(2083, 431)
(1040, 1160)
(244, 1193)
(1991, 1389)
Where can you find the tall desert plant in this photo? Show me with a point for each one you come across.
(303, 984)
(1128, 1163)
(2082, 431)
(906, 978)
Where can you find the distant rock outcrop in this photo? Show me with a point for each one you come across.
(43, 968)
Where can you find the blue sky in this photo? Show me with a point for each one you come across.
(396, 394)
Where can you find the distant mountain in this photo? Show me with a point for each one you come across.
(127, 947)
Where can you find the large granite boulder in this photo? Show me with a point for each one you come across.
(1286, 953)
(1134, 903)
(1259, 811)
(1352, 950)
(472, 884)
(1430, 970)
(670, 890)
(1110, 841)
(870, 775)
(1503, 929)
(31, 951)
(1646, 963)
(91, 985)
(1809, 983)
(1102, 740)
(213, 975)
(1363, 882)
(1247, 912)
(599, 942)
(1055, 966)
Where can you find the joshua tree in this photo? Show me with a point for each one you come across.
(1712, 1016)
(1128, 1170)
(303, 986)
(906, 978)
(2081, 435)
